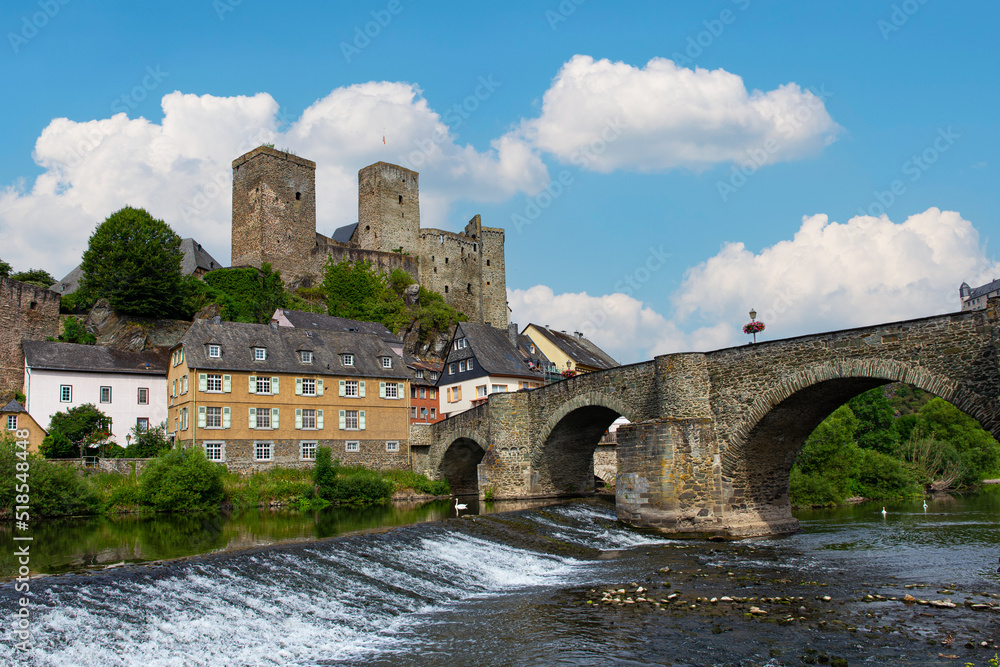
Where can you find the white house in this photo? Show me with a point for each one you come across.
(483, 360)
(128, 387)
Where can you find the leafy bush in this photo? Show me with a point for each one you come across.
(404, 479)
(82, 424)
(53, 489)
(182, 480)
(75, 332)
(827, 462)
(248, 295)
(359, 486)
(37, 277)
(812, 490)
(881, 477)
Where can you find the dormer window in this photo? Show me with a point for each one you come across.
(215, 351)
(434, 376)
(348, 359)
(386, 362)
(306, 356)
(419, 375)
(260, 354)
(461, 344)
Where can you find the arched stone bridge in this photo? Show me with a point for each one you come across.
(714, 435)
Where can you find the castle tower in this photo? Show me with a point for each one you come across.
(274, 210)
(388, 208)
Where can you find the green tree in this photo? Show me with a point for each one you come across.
(182, 480)
(248, 294)
(978, 451)
(134, 261)
(359, 292)
(82, 424)
(5, 269)
(38, 277)
(827, 462)
(147, 443)
(876, 420)
(75, 332)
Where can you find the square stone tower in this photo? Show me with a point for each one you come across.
(274, 210)
(388, 208)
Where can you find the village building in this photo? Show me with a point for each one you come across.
(255, 396)
(483, 360)
(570, 353)
(15, 420)
(425, 403)
(974, 298)
(315, 321)
(130, 388)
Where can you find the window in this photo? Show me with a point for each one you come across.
(468, 364)
(263, 385)
(348, 359)
(392, 445)
(434, 394)
(499, 389)
(419, 375)
(352, 446)
(215, 451)
(454, 394)
(351, 420)
(143, 398)
(213, 382)
(105, 394)
(461, 367)
(213, 417)
(262, 451)
(461, 343)
(184, 419)
(481, 391)
(413, 391)
(423, 392)
(451, 369)
(263, 418)
(434, 376)
(351, 388)
(260, 354)
(433, 413)
(308, 419)
(413, 413)
(386, 362)
(214, 351)
(11, 422)
(142, 424)
(184, 381)
(391, 390)
(65, 393)
(306, 356)
(308, 386)
(307, 450)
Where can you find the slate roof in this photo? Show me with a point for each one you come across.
(303, 320)
(193, 257)
(283, 345)
(581, 350)
(984, 289)
(493, 350)
(52, 355)
(13, 406)
(427, 367)
(345, 233)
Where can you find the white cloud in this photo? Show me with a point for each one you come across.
(829, 276)
(604, 116)
(180, 169)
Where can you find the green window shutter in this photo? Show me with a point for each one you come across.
(319, 387)
(253, 417)
(361, 389)
(253, 384)
(202, 411)
(298, 386)
(227, 418)
(202, 381)
(343, 419)
(401, 389)
(343, 387)
(227, 383)
(274, 385)
(274, 417)
(361, 420)
(185, 379)
(381, 389)
(319, 419)
(298, 418)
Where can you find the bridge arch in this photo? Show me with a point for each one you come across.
(460, 461)
(762, 447)
(564, 461)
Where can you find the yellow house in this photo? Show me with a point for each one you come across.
(254, 396)
(569, 352)
(22, 426)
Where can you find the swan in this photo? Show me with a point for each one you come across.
(884, 512)
(925, 505)
(459, 506)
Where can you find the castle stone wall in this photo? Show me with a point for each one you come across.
(27, 312)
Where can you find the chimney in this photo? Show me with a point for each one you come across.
(512, 333)
(217, 319)
(579, 334)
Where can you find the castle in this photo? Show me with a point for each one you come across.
(274, 221)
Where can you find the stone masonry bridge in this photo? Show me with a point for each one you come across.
(714, 435)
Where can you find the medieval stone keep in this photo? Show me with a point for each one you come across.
(27, 312)
(274, 221)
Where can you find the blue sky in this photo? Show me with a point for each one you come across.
(606, 138)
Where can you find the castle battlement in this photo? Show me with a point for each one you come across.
(274, 221)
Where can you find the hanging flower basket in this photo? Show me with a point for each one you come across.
(568, 373)
(754, 327)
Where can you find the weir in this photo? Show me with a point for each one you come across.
(713, 435)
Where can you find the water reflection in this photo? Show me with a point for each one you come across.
(64, 545)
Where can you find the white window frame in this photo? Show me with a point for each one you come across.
(101, 395)
(209, 416)
(258, 445)
(213, 444)
(308, 446)
(413, 412)
(391, 390)
(352, 446)
(260, 354)
(263, 385)
(210, 380)
(65, 393)
(312, 390)
(433, 413)
(434, 376)
(11, 422)
(386, 362)
(214, 351)
(348, 359)
(306, 416)
(350, 385)
(418, 374)
(140, 399)
(392, 445)
(305, 356)
(139, 424)
(498, 389)
(481, 391)
(356, 415)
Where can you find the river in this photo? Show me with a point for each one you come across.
(562, 584)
